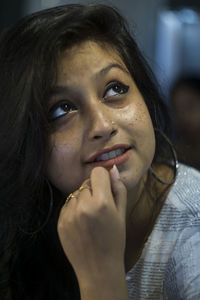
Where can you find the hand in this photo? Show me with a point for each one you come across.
(92, 227)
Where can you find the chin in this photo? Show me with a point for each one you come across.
(130, 179)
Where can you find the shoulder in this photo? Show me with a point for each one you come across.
(182, 205)
(182, 275)
(184, 195)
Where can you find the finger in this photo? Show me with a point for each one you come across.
(118, 190)
(86, 182)
(100, 183)
(86, 185)
(71, 198)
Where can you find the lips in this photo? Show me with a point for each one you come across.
(110, 155)
(105, 156)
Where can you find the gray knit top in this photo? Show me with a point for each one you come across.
(169, 267)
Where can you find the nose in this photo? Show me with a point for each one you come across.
(100, 123)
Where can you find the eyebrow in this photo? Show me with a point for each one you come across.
(105, 70)
(59, 90)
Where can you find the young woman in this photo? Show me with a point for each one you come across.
(92, 206)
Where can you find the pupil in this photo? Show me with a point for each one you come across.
(66, 107)
(118, 89)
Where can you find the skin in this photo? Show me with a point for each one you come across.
(88, 129)
(94, 228)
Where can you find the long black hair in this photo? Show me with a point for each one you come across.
(33, 265)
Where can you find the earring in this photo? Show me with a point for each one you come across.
(175, 160)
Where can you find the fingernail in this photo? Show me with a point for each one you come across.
(115, 172)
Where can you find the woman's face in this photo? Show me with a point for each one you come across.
(98, 117)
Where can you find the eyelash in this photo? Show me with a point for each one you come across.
(64, 105)
(123, 88)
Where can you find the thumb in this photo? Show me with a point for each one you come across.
(118, 190)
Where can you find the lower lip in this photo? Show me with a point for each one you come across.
(113, 161)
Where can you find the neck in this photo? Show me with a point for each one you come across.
(136, 222)
(133, 198)
(142, 211)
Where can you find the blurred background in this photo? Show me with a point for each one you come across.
(167, 31)
(168, 34)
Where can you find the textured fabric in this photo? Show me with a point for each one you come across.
(169, 267)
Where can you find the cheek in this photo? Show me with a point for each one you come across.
(61, 149)
(63, 156)
(138, 117)
(60, 156)
(141, 129)
(58, 162)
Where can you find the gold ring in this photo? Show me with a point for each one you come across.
(84, 187)
(70, 197)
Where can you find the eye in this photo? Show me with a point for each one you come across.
(60, 109)
(115, 89)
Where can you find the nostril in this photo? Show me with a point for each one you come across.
(98, 132)
(97, 137)
(113, 132)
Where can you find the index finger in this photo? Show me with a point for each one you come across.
(86, 183)
(100, 183)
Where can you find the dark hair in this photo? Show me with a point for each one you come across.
(32, 264)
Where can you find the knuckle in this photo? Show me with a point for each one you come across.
(89, 214)
(83, 213)
(102, 207)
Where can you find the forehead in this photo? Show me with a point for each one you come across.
(86, 55)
